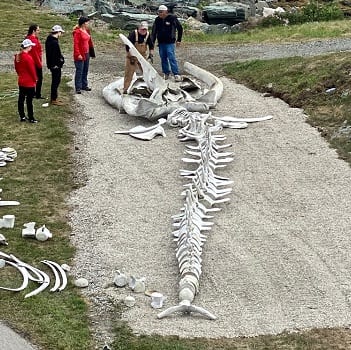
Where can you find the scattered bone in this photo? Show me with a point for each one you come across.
(3, 240)
(29, 230)
(137, 285)
(7, 221)
(120, 280)
(31, 273)
(146, 133)
(66, 267)
(43, 234)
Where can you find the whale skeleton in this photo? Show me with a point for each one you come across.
(206, 189)
(192, 227)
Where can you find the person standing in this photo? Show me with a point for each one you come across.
(27, 80)
(54, 61)
(141, 39)
(168, 31)
(37, 55)
(83, 49)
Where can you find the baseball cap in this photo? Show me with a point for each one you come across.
(56, 28)
(144, 25)
(163, 8)
(27, 43)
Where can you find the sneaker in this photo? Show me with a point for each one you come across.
(165, 76)
(33, 120)
(177, 78)
(87, 89)
(57, 103)
(22, 119)
(78, 92)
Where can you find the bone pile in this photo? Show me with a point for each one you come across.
(205, 190)
(31, 273)
(7, 154)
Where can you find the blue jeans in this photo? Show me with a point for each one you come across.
(168, 58)
(81, 76)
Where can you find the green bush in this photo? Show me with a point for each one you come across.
(312, 12)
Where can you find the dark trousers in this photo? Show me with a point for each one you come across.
(39, 82)
(81, 76)
(26, 94)
(55, 82)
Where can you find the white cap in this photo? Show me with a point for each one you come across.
(56, 28)
(27, 43)
(144, 25)
(163, 8)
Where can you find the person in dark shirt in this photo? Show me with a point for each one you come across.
(168, 32)
(54, 61)
(37, 55)
(141, 39)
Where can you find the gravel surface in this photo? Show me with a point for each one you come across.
(278, 256)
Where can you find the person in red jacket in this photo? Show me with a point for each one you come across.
(83, 49)
(37, 55)
(27, 80)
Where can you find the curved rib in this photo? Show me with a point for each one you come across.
(39, 278)
(62, 272)
(24, 274)
(56, 274)
(43, 286)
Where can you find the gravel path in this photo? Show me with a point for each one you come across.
(278, 256)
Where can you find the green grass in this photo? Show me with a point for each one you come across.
(303, 82)
(41, 178)
(306, 31)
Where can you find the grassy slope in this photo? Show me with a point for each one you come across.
(41, 179)
(303, 83)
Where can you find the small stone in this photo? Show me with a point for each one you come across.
(81, 282)
(129, 301)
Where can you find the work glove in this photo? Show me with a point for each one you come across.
(151, 58)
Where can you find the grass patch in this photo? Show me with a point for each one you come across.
(18, 15)
(40, 179)
(306, 83)
(306, 31)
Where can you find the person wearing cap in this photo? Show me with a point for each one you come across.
(27, 80)
(168, 32)
(54, 61)
(37, 55)
(83, 49)
(141, 39)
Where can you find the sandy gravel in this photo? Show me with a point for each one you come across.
(278, 256)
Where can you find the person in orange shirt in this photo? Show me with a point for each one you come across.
(83, 49)
(37, 55)
(27, 80)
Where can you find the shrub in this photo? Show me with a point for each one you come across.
(312, 12)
